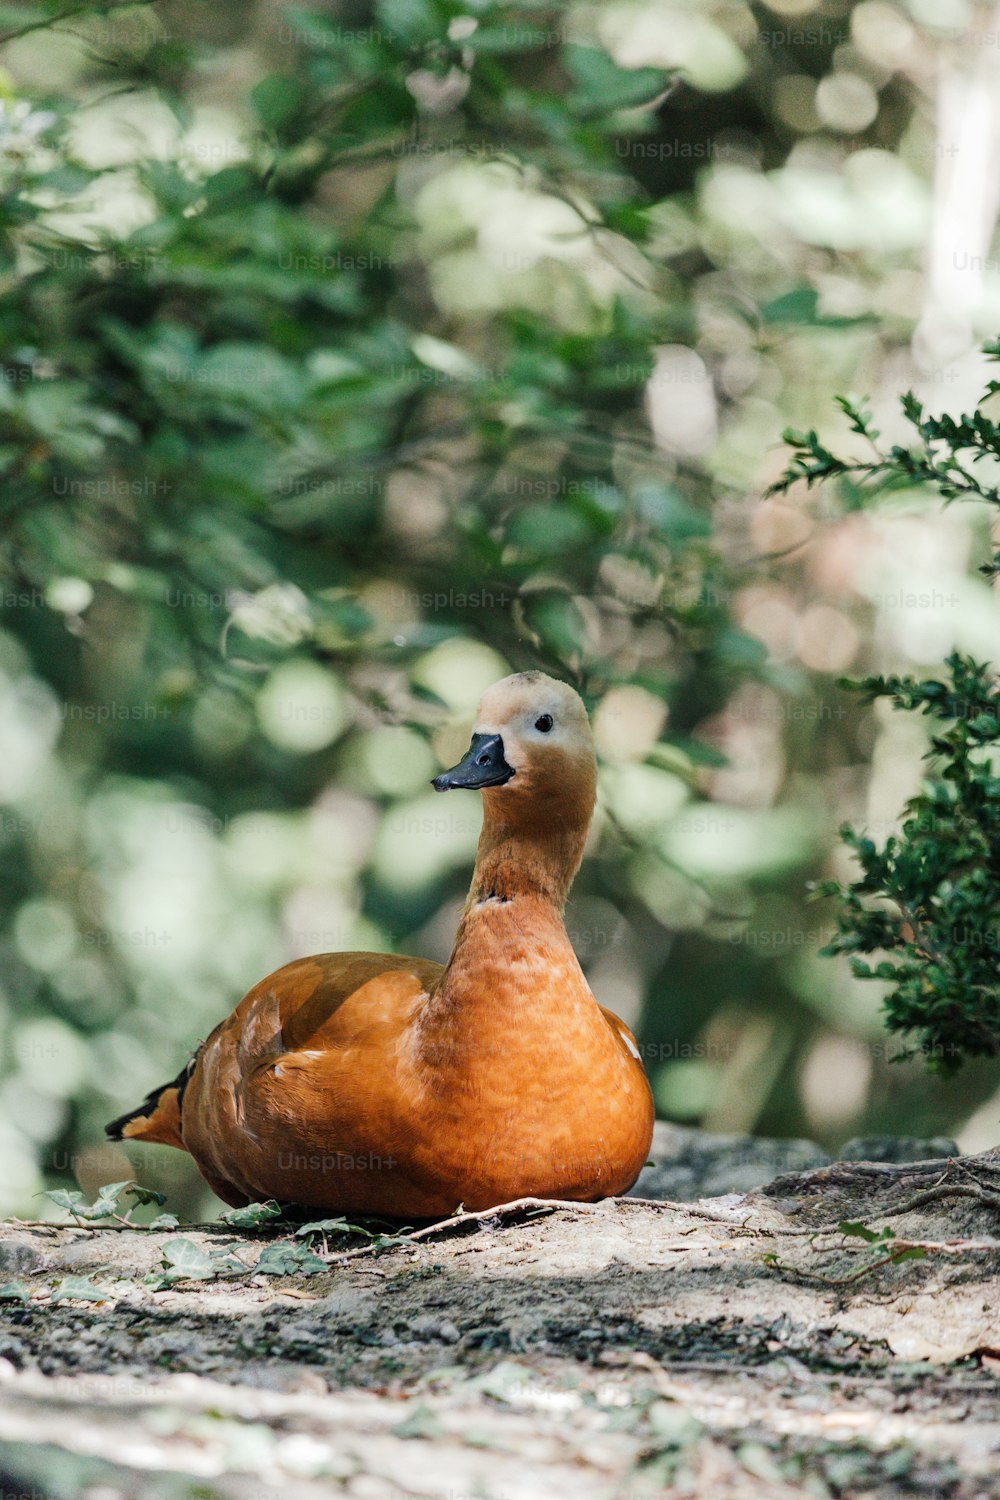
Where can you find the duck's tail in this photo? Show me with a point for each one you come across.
(158, 1117)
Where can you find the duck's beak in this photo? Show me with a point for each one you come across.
(483, 765)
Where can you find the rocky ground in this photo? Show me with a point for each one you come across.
(741, 1344)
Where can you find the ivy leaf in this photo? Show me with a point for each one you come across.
(187, 1261)
(252, 1215)
(67, 1198)
(164, 1221)
(183, 1260)
(288, 1260)
(107, 1202)
(325, 1226)
(144, 1195)
(80, 1289)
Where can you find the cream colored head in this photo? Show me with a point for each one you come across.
(531, 742)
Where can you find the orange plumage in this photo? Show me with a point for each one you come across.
(375, 1083)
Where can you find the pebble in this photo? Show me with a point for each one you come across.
(427, 1326)
(17, 1256)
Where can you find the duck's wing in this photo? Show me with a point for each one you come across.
(292, 1009)
(623, 1033)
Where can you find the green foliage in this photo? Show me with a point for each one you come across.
(238, 347)
(881, 1246)
(927, 900)
(929, 897)
(108, 1202)
(943, 454)
(183, 1260)
(252, 1216)
(882, 1240)
(321, 1229)
(288, 1260)
(80, 1289)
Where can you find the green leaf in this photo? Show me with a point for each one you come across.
(801, 306)
(249, 374)
(323, 1227)
(144, 1195)
(110, 1193)
(186, 1260)
(555, 619)
(252, 1215)
(288, 1260)
(411, 22)
(80, 1289)
(671, 513)
(276, 101)
(602, 87)
(860, 1231)
(14, 1291)
(68, 1198)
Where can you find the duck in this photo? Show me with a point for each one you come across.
(397, 1087)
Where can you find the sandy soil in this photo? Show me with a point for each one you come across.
(607, 1351)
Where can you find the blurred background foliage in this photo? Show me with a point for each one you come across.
(355, 355)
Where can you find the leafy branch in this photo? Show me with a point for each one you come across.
(71, 12)
(926, 904)
(108, 1203)
(942, 454)
(928, 899)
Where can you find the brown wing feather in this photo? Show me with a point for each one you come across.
(299, 1051)
(284, 1012)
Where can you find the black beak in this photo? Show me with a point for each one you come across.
(483, 765)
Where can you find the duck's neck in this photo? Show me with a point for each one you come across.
(512, 955)
(525, 863)
(513, 974)
(520, 856)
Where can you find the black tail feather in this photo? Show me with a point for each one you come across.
(115, 1130)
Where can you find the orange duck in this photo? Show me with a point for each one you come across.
(372, 1083)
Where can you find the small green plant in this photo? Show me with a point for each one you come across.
(288, 1260)
(883, 1249)
(923, 916)
(252, 1215)
(183, 1260)
(80, 1289)
(107, 1204)
(883, 1242)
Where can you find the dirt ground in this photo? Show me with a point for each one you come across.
(737, 1346)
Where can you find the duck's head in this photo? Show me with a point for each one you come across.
(531, 743)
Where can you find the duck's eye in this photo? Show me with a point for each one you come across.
(544, 724)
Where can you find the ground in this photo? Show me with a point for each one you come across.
(741, 1345)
